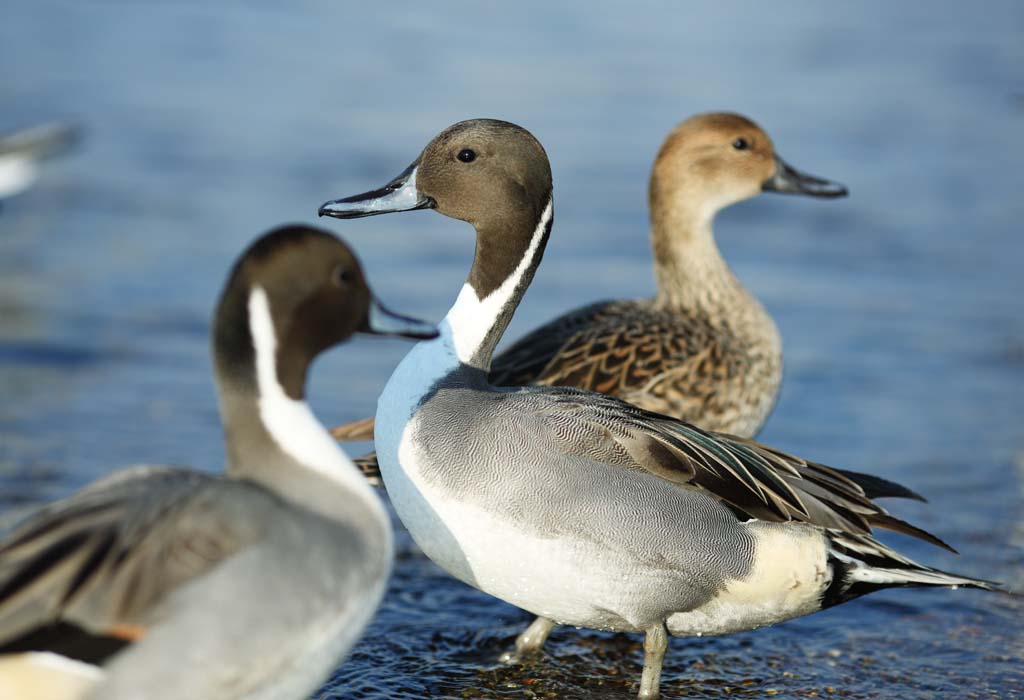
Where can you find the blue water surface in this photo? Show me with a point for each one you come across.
(902, 307)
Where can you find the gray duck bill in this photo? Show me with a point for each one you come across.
(398, 195)
(789, 180)
(381, 321)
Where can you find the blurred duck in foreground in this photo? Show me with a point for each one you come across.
(159, 582)
(703, 350)
(22, 151)
(579, 507)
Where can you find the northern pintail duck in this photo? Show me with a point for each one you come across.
(579, 507)
(21, 152)
(158, 582)
(704, 349)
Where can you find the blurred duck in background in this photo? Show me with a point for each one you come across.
(22, 152)
(160, 582)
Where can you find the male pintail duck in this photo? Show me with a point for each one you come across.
(580, 507)
(158, 582)
(21, 152)
(704, 349)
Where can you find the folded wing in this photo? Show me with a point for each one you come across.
(754, 480)
(85, 576)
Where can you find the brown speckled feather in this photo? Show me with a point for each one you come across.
(691, 366)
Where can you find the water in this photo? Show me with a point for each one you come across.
(901, 307)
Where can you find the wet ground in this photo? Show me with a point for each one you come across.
(902, 307)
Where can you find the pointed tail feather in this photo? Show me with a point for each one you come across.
(894, 524)
(877, 487)
(861, 564)
(917, 577)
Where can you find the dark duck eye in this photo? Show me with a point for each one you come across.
(467, 155)
(741, 144)
(343, 276)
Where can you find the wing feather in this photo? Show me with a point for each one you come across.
(106, 557)
(755, 480)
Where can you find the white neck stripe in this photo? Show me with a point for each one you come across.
(471, 318)
(289, 422)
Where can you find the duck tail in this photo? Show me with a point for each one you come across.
(861, 564)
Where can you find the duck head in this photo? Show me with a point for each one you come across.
(294, 293)
(481, 171)
(713, 160)
(490, 173)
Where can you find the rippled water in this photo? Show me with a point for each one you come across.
(901, 307)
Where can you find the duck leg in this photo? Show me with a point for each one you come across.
(530, 641)
(655, 644)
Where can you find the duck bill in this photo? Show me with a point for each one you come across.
(398, 195)
(381, 321)
(789, 180)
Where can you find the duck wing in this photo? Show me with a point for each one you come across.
(84, 576)
(754, 480)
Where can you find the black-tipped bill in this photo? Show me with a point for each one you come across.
(400, 194)
(380, 321)
(789, 180)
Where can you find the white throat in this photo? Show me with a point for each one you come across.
(290, 422)
(471, 318)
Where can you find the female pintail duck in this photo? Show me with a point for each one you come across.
(704, 349)
(580, 507)
(159, 582)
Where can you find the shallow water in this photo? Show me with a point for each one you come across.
(901, 307)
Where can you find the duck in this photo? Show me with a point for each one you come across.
(580, 507)
(21, 152)
(163, 582)
(704, 349)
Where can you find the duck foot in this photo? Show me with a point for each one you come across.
(529, 642)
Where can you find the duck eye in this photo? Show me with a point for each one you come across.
(342, 276)
(740, 144)
(467, 155)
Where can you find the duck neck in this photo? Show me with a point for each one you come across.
(273, 438)
(689, 269)
(503, 267)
